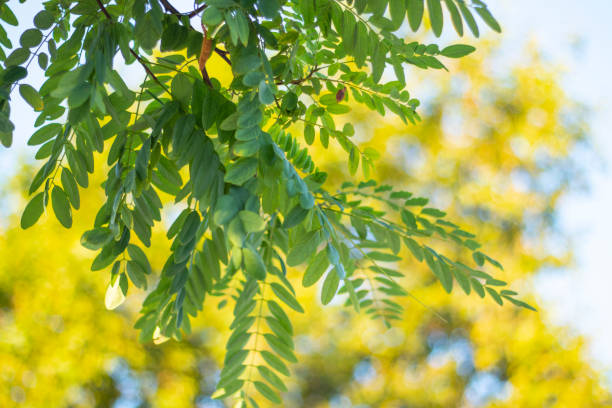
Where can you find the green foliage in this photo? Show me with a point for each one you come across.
(254, 201)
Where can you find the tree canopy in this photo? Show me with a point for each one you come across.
(254, 200)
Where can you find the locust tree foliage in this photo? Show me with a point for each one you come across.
(237, 158)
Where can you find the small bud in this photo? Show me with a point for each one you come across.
(340, 94)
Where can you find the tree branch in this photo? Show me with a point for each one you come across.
(173, 10)
(197, 11)
(147, 69)
(223, 54)
(169, 7)
(299, 81)
(108, 16)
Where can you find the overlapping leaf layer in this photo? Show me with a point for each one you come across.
(254, 200)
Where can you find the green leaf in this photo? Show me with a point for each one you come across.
(433, 212)
(238, 26)
(418, 201)
(275, 362)
(315, 269)
(309, 134)
(238, 340)
(267, 392)
(241, 170)
(397, 10)
(237, 236)
(486, 15)
(279, 329)
(44, 20)
(31, 96)
(139, 256)
(435, 16)
(295, 217)
(7, 15)
(177, 224)
(280, 348)
(282, 317)
(45, 133)
(268, 8)
(478, 288)
(330, 287)
(287, 298)
(348, 29)
(6, 136)
(243, 27)
(79, 95)
(445, 276)
(114, 295)
(353, 161)
(13, 73)
(478, 258)
(61, 206)
(228, 390)
(409, 219)
(303, 248)
(211, 16)
(182, 88)
(137, 274)
(383, 257)
(230, 375)
(253, 264)
(469, 18)
(253, 78)
(328, 99)
(519, 303)
(30, 38)
(379, 59)
(272, 378)
(96, 238)
(226, 209)
(189, 228)
(251, 221)
(17, 57)
(496, 282)
(104, 258)
(414, 248)
(265, 93)
(462, 280)
(415, 13)
(70, 187)
(495, 295)
(494, 262)
(457, 50)
(455, 16)
(33, 211)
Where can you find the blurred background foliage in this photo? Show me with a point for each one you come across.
(495, 149)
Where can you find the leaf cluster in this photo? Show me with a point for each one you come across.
(254, 202)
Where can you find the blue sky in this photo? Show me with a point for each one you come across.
(579, 296)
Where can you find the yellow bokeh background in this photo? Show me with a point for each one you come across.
(485, 152)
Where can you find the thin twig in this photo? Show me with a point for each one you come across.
(173, 10)
(169, 7)
(197, 11)
(148, 70)
(108, 16)
(299, 81)
(223, 54)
